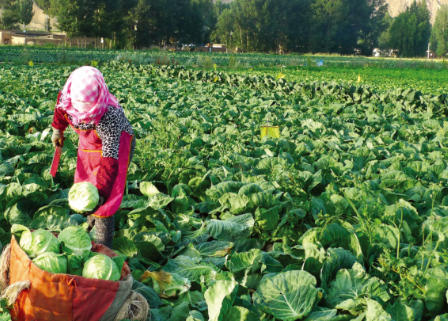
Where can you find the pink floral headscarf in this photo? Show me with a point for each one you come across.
(85, 96)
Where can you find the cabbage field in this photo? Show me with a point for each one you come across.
(21, 55)
(344, 217)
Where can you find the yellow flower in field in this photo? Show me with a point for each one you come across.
(94, 63)
(359, 79)
(30, 63)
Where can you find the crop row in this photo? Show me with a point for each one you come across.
(65, 55)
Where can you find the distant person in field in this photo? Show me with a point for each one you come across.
(106, 143)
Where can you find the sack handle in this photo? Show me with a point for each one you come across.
(11, 292)
(4, 267)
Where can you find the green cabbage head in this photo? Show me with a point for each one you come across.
(78, 218)
(75, 240)
(38, 242)
(52, 262)
(101, 267)
(83, 197)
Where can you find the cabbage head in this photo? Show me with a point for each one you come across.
(101, 267)
(75, 240)
(38, 242)
(83, 197)
(52, 262)
(78, 218)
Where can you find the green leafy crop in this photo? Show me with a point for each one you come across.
(343, 217)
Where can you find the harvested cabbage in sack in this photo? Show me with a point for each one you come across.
(52, 262)
(75, 240)
(75, 264)
(83, 197)
(101, 267)
(38, 242)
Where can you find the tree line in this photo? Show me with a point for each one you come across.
(126, 23)
(339, 26)
(326, 26)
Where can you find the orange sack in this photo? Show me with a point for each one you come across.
(65, 297)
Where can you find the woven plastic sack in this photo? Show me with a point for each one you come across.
(65, 297)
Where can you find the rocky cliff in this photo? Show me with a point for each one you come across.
(39, 18)
(397, 6)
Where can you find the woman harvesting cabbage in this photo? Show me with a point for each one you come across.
(106, 142)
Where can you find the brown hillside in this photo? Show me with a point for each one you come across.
(39, 18)
(397, 6)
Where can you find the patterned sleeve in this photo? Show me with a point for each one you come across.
(59, 119)
(109, 130)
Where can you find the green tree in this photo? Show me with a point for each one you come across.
(44, 4)
(378, 23)
(219, 7)
(440, 31)
(111, 19)
(254, 25)
(10, 15)
(67, 21)
(10, 18)
(358, 22)
(300, 25)
(245, 17)
(224, 28)
(90, 18)
(167, 22)
(26, 12)
(273, 26)
(204, 13)
(190, 25)
(329, 17)
(119, 22)
(338, 25)
(261, 25)
(74, 18)
(143, 22)
(410, 31)
(384, 38)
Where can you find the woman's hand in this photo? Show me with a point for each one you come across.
(101, 201)
(57, 138)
